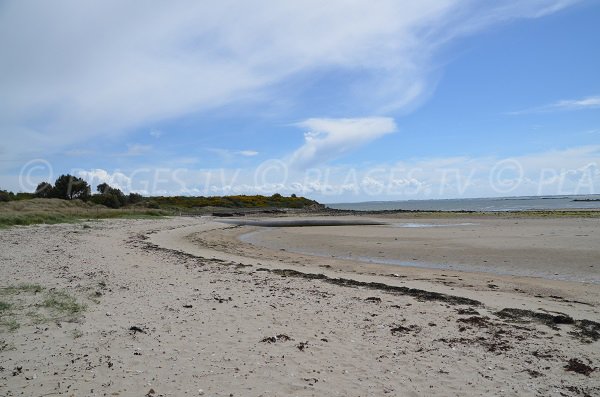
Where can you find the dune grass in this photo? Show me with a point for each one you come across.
(10, 324)
(31, 304)
(62, 303)
(25, 287)
(4, 306)
(52, 211)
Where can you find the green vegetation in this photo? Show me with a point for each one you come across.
(69, 187)
(16, 289)
(240, 201)
(50, 211)
(10, 196)
(62, 303)
(10, 323)
(30, 304)
(70, 200)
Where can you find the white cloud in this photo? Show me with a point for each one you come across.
(73, 70)
(331, 138)
(585, 103)
(156, 133)
(247, 153)
(115, 179)
(230, 155)
(78, 153)
(559, 172)
(592, 102)
(137, 149)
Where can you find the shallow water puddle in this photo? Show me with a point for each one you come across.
(423, 225)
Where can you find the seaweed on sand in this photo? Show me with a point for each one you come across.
(392, 289)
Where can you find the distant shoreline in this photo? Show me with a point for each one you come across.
(504, 204)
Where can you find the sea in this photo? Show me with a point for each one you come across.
(523, 203)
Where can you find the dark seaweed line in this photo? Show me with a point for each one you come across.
(588, 330)
(397, 290)
(345, 282)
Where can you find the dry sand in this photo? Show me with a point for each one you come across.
(212, 315)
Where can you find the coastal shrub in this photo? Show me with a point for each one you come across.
(6, 196)
(69, 187)
(134, 198)
(153, 204)
(109, 196)
(237, 201)
(44, 190)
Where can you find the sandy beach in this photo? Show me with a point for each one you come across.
(193, 306)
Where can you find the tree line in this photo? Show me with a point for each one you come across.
(69, 187)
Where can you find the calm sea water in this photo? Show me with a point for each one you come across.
(478, 204)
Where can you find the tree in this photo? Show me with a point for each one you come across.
(69, 187)
(134, 198)
(6, 196)
(102, 188)
(44, 190)
(109, 196)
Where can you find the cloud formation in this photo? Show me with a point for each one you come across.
(591, 102)
(98, 176)
(559, 172)
(230, 155)
(330, 138)
(137, 149)
(75, 70)
(156, 133)
(247, 153)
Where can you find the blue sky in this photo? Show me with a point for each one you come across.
(339, 102)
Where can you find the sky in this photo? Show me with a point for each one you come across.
(339, 101)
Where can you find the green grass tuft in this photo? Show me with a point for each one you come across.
(17, 289)
(4, 306)
(10, 323)
(62, 302)
(32, 304)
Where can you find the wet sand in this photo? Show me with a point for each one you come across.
(560, 249)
